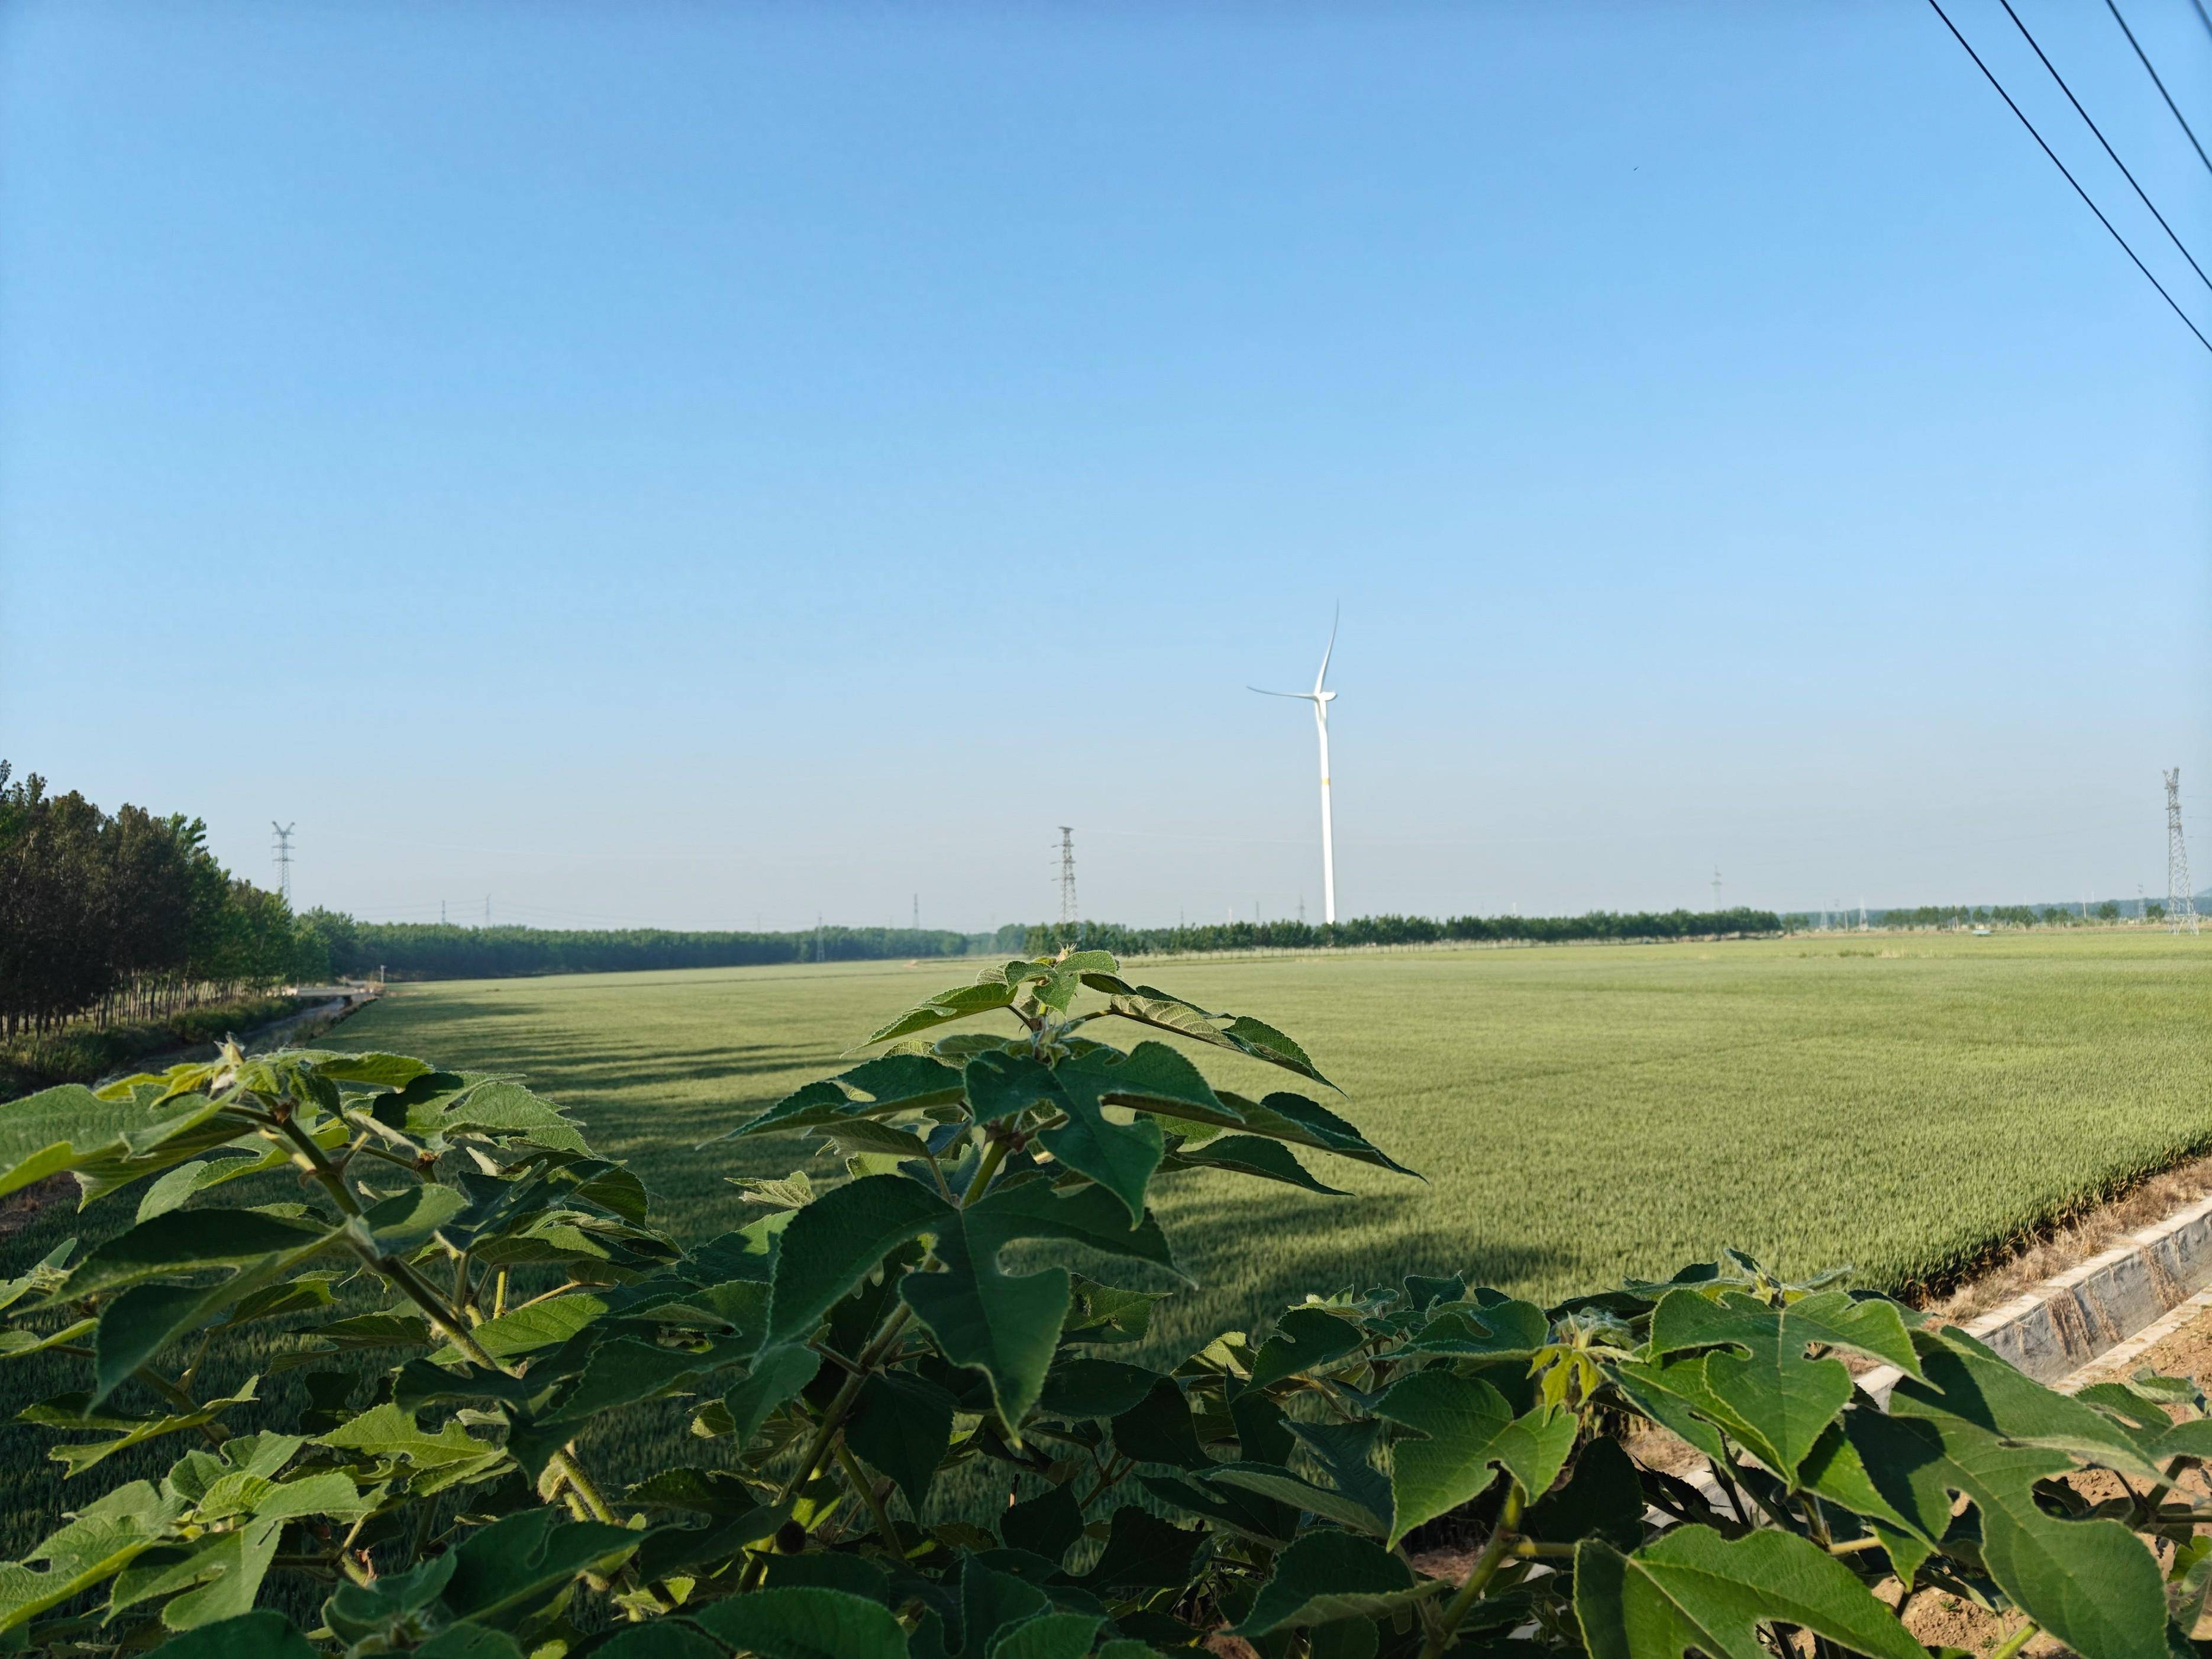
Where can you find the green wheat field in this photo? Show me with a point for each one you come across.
(1904, 1103)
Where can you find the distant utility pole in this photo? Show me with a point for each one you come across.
(441, 913)
(487, 909)
(1716, 888)
(2180, 893)
(1302, 909)
(1067, 914)
(284, 859)
(917, 913)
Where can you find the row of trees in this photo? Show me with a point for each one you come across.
(440, 951)
(127, 915)
(1980, 915)
(1597, 924)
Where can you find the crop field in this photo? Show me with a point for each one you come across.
(1578, 1114)
(1903, 1103)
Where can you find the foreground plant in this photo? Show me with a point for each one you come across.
(875, 1368)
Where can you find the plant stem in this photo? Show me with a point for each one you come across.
(1485, 1568)
(865, 1488)
(841, 1404)
(2017, 1640)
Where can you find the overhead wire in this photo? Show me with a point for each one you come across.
(2141, 194)
(2143, 58)
(2088, 201)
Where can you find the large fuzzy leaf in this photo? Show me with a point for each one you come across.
(1286, 1116)
(1241, 1034)
(838, 1240)
(1120, 1156)
(1327, 1576)
(98, 1541)
(2089, 1582)
(883, 1087)
(71, 1127)
(1251, 1155)
(902, 1425)
(1007, 1325)
(185, 1242)
(1465, 1430)
(266, 1634)
(1303, 1339)
(518, 1564)
(961, 1002)
(1743, 1364)
(806, 1624)
(1695, 1591)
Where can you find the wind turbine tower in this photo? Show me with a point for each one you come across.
(1321, 700)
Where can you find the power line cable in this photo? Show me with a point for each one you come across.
(2141, 194)
(2206, 16)
(2086, 198)
(2144, 58)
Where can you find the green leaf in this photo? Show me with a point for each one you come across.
(405, 1221)
(98, 1542)
(185, 1242)
(883, 1087)
(626, 1371)
(1346, 1452)
(387, 1431)
(1008, 1325)
(856, 1135)
(518, 1564)
(177, 1188)
(1284, 1116)
(1327, 1576)
(262, 1635)
(1251, 1155)
(961, 1002)
(76, 1412)
(1120, 1156)
(777, 1374)
(1466, 1428)
(503, 1109)
(1275, 1481)
(526, 1330)
(902, 1426)
(1158, 1429)
(1304, 1338)
(1602, 1499)
(1150, 1078)
(1048, 1635)
(838, 1240)
(1499, 1330)
(2090, 1583)
(1251, 1037)
(1048, 1523)
(1750, 1373)
(1695, 1591)
(990, 1602)
(1003, 1086)
(1079, 1390)
(71, 1127)
(805, 1623)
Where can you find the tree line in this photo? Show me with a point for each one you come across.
(403, 949)
(1596, 924)
(127, 915)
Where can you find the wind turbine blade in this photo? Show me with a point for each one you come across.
(1331, 652)
(1302, 696)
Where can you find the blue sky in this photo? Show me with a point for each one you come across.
(717, 465)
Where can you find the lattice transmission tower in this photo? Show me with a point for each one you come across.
(1067, 916)
(2180, 893)
(284, 859)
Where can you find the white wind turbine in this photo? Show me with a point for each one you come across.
(1320, 700)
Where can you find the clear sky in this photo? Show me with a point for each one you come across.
(714, 465)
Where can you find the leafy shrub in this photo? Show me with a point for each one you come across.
(843, 1352)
